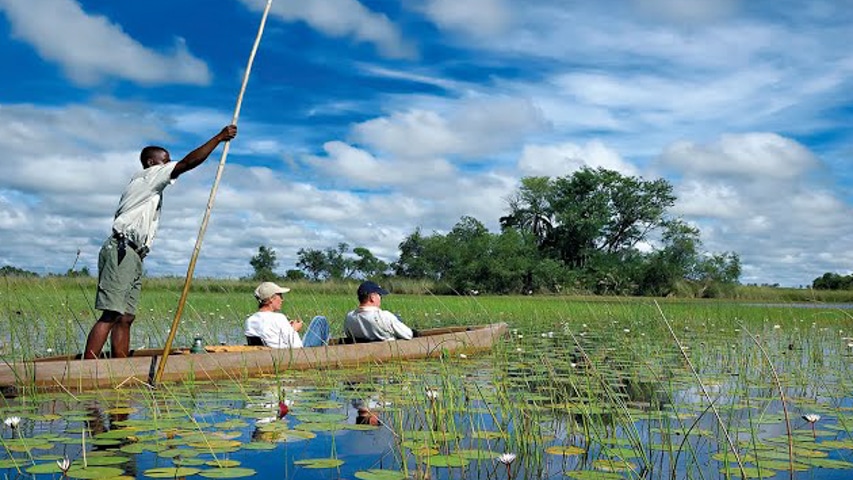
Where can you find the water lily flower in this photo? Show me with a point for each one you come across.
(777, 327)
(507, 459)
(462, 355)
(12, 422)
(64, 465)
(812, 418)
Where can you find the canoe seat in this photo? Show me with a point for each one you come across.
(254, 341)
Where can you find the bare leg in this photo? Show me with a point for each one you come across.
(120, 337)
(98, 334)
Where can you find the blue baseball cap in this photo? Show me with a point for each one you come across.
(368, 287)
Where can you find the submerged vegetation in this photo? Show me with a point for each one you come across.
(584, 388)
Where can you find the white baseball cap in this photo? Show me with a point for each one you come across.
(267, 290)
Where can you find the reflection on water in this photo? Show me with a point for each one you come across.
(618, 402)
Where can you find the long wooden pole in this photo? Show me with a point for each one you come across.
(161, 367)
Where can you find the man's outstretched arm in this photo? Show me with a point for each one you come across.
(200, 154)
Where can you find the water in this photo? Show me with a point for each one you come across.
(627, 405)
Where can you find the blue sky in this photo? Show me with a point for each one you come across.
(364, 120)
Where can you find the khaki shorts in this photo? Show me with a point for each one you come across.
(119, 284)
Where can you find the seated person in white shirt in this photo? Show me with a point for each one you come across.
(369, 323)
(269, 327)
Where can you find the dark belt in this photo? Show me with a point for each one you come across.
(124, 242)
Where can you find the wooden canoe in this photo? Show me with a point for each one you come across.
(222, 362)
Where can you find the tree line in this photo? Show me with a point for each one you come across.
(595, 231)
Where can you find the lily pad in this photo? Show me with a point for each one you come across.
(223, 463)
(445, 461)
(594, 475)
(235, 472)
(319, 462)
(379, 474)
(89, 473)
(171, 472)
(564, 450)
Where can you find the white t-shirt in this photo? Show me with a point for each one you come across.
(274, 329)
(374, 324)
(138, 214)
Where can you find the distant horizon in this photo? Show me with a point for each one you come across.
(365, 118)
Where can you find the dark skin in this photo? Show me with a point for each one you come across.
(117, 325)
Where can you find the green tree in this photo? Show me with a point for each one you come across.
(313, 262)
(10, 271)
(530, 210)
(604, 211)
(264, 263)
(833, 281)
(366, 264)
(331, 263)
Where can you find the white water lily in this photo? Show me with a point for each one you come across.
(507, 458)
(64, 464)
(12, 422)
(811, 417)
(462, 355)
(777, 327)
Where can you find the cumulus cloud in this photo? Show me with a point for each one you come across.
(751, 154)
(90, 47)
(472, 128)
(566, 158)
(356, 167)
(343, 18)
(481, 18)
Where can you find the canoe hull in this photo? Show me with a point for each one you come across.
(78, 375)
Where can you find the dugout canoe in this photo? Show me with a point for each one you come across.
(235, 362)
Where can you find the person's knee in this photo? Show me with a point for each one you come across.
(126, 320)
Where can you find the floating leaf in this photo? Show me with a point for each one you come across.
(594, 475)
(102, 460)
(14, 463)
(475, 454)
(170, 472)
(445, 461)
(223, 463)
(235, 472)
(319, 462)
(379, 474)
(565, 450)
(90, 473)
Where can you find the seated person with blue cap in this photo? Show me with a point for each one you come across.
(369, 323)
(269, 327)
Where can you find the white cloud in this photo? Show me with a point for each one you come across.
(342, 18)
(471, 128)
(90, 47)
(360, 169)
(753, 154)
(482, 18)
(689, 12)
(566, 158)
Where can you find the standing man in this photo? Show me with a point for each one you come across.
(134, 227)
(369, 323)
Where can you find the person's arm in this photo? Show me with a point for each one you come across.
(401, 330)
(200, 154)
